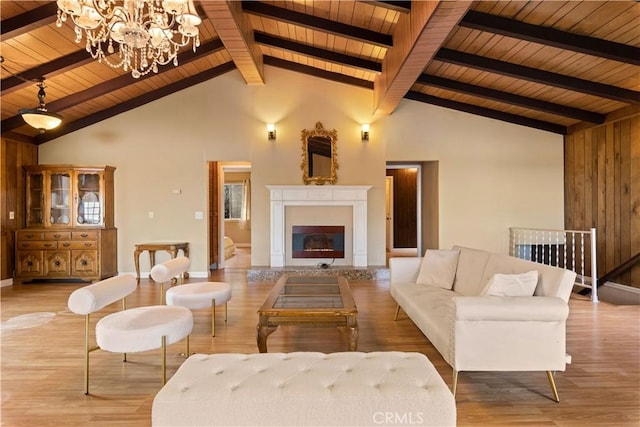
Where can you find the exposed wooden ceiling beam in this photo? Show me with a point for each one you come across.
(234, 29)
(487, 112)
(112, 85)
(135, 102)
(538, 76)
(316, 72)
(315, 23)
(25, 22)
(398, 6)
(325, 55)
(552, 37)
(48, 70)
(423, 31)
(510, 98)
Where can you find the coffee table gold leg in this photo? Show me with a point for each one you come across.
(351, 332)
(261, 338)
(353, 338)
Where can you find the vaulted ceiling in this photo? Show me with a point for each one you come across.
(548, 65)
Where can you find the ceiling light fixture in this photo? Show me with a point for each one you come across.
(147, 32)
(39, 117)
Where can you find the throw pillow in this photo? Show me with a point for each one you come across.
(512, 285)
(438, 268)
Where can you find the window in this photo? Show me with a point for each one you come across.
(233, 195)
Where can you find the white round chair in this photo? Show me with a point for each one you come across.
(193, 296)
(130, 330)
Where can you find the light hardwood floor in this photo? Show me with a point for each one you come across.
(42, 367)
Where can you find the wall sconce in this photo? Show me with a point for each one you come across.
(365, 132)
(271, 131)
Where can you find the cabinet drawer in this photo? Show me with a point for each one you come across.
(42, 244)
(57, 263)
(30, 235)
(84, 263)
(73, 244)
(57, 235)
(29, 263)
(84, 235)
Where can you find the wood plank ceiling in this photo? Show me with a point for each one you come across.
(548, 65)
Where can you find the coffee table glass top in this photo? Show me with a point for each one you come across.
(309, 292)
(308, 295)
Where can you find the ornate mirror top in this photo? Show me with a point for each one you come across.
(319, 155)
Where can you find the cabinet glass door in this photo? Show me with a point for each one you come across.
(89, 206)
(60, 202)
(35, 204)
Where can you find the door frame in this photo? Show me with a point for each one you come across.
(216, 226)
(409, 165)
(388, 187)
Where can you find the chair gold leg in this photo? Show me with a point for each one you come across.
(454, 385)
(164, 360)
(213, 317)
(553, 386)
(226, 312)
(397, 312)
(86, 354)
(187, 353)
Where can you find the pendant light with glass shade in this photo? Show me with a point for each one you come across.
(39, 117)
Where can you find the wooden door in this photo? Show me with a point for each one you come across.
(405, 207)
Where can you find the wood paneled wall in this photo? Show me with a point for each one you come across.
(14, 156)
(602, 190)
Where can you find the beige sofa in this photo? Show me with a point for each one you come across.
(476, 332)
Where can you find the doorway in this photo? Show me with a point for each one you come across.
(229, 215)
(402, 192)
(412, 206)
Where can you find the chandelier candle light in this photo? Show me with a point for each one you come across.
(147, 32)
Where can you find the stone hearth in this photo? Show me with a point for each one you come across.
(268, 274)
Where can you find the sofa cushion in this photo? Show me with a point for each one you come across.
(552, 281)
(438, 268)
(471, 264)
(512, 285)
(432, 310)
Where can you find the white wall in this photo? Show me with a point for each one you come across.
(492, 174)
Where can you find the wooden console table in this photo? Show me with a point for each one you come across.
(171, 247)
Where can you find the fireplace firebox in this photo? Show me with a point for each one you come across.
(317, 241)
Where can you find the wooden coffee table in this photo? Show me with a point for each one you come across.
(321, 301)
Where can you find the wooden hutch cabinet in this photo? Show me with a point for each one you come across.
(69, 220)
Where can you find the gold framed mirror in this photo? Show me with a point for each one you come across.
(319, 156)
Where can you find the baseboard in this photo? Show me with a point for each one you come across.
(616, 293)
(194, 274)
(6, 282)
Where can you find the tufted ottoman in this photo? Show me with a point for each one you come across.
(305, 389)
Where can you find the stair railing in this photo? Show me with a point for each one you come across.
(570, 249)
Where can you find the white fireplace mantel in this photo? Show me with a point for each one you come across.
(304, 195)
